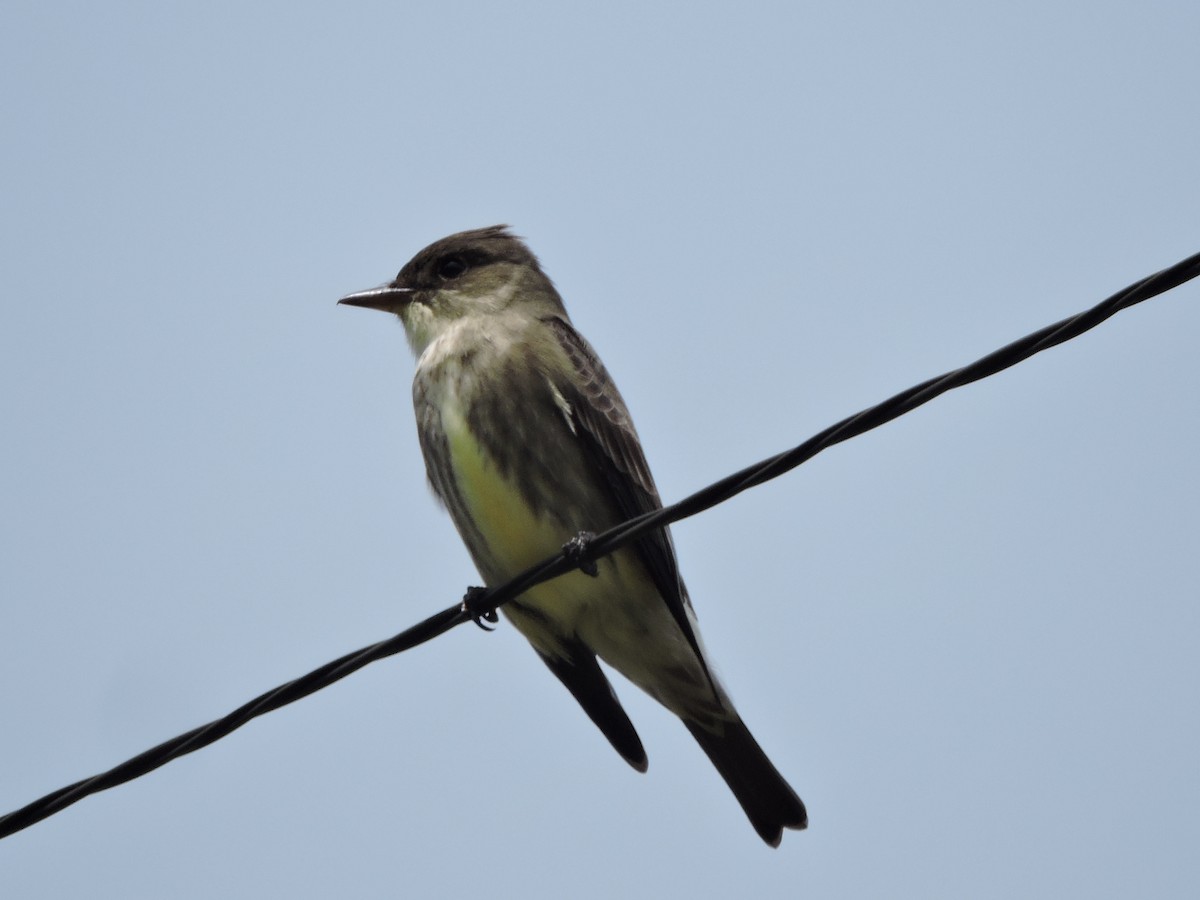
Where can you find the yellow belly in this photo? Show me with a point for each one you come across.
(618, 615)
(516, 536)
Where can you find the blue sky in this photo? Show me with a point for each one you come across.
(968, 639)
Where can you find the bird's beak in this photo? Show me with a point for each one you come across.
(386, 298)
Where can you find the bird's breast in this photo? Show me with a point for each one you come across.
(516, 535)
(479, 454)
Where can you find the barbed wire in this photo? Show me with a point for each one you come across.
(484, 602)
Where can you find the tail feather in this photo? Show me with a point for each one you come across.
(769, 802)
(580, 673)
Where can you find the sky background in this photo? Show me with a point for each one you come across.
(968, 639)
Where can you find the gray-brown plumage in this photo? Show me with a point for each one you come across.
(527, 442)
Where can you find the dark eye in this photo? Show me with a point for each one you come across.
(451, 267)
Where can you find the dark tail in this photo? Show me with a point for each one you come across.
(581, 674)
(768, 800)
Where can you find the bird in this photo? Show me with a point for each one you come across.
(527, 442)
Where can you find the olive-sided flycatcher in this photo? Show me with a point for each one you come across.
(527, 442)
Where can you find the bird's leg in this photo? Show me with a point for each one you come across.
(473, 605)
(576, 550)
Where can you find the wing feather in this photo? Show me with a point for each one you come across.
(605, 429)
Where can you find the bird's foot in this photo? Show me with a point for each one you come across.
(576, 551)
(474, 605)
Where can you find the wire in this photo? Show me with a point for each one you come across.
(482, 603)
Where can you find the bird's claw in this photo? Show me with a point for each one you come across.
(473, 605)
(576, 551)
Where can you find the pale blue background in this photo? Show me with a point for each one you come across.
(968, 639)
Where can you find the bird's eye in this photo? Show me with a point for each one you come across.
(451, 267)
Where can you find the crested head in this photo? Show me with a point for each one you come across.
(478, 273)
(477, 248)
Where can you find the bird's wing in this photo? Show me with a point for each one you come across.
(602, 423)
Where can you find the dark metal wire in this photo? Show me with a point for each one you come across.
(483, 602)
